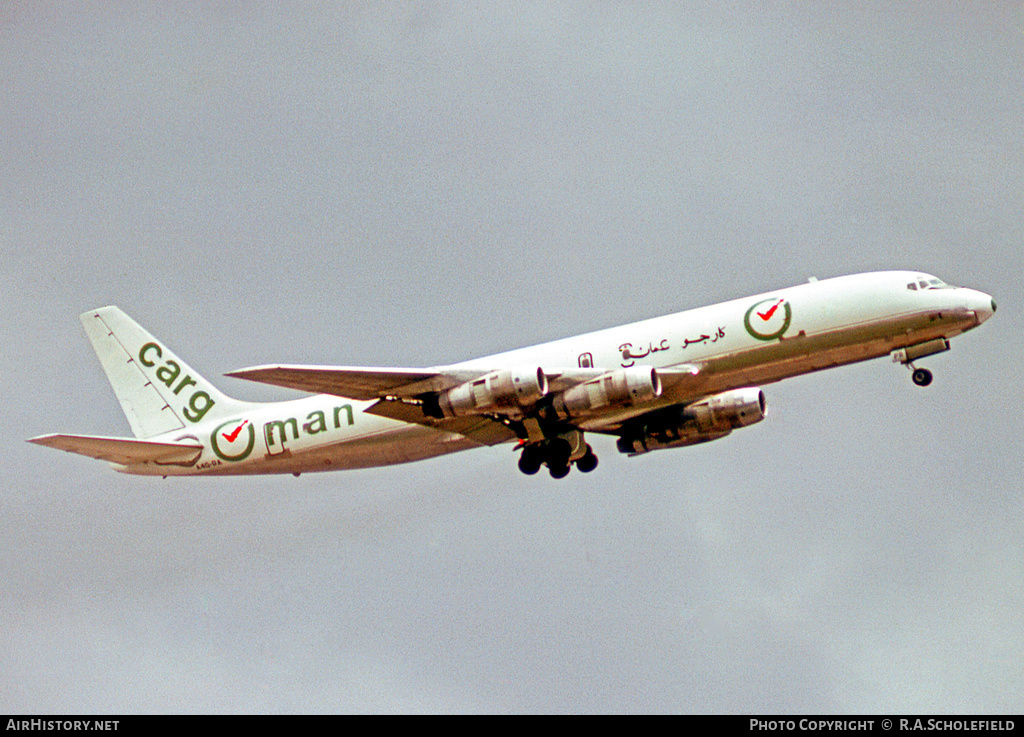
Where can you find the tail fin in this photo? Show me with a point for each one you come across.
(158, 392)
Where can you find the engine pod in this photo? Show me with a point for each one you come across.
(625, 387)
(508, 390)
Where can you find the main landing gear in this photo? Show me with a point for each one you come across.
(558, 454)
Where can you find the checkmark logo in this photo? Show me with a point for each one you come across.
(766, 316)
(774, 317)
(232, 451)
(231, 436)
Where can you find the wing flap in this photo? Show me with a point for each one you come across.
(123, 451)
(478, 428)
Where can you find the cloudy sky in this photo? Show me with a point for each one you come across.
(420, 183)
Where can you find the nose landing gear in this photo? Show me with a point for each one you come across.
(907, 356)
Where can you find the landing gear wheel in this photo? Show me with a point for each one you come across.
(588, 462)
(558, 452)
(922, 377)
(558, 472)
(557, 458)
(530, 460)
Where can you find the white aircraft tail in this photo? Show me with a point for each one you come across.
(158, 392)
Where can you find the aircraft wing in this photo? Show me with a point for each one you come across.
(683, 374)
(400, 392)
(364, 383)
(123, 451)
(353, 382)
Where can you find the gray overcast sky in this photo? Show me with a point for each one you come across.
(420, 183)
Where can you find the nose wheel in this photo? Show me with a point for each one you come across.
(921, 377)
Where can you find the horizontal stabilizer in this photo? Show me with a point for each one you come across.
(123, 451)
(349, 382)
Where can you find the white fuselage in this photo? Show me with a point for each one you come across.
(745, 342)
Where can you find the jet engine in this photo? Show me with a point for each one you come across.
(508, 389)
(624, 387)
(729, 410)
(709, 419)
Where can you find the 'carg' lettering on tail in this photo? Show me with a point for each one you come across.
(167, 373)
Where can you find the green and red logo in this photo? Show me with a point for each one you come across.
(768, 319)
(229, 443)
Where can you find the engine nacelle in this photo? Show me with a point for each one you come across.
(709, 419)
(509, 389)
(624, 387)
(728, 410)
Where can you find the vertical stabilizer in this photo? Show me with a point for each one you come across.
(158, 392)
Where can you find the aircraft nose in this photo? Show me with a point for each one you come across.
(983, 305)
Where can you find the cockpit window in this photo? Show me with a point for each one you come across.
(929, 283)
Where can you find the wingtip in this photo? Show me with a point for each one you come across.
(41, 439)
(250, 373)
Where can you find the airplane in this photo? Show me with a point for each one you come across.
(661, 383)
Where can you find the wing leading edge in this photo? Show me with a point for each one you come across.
(351, 382)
